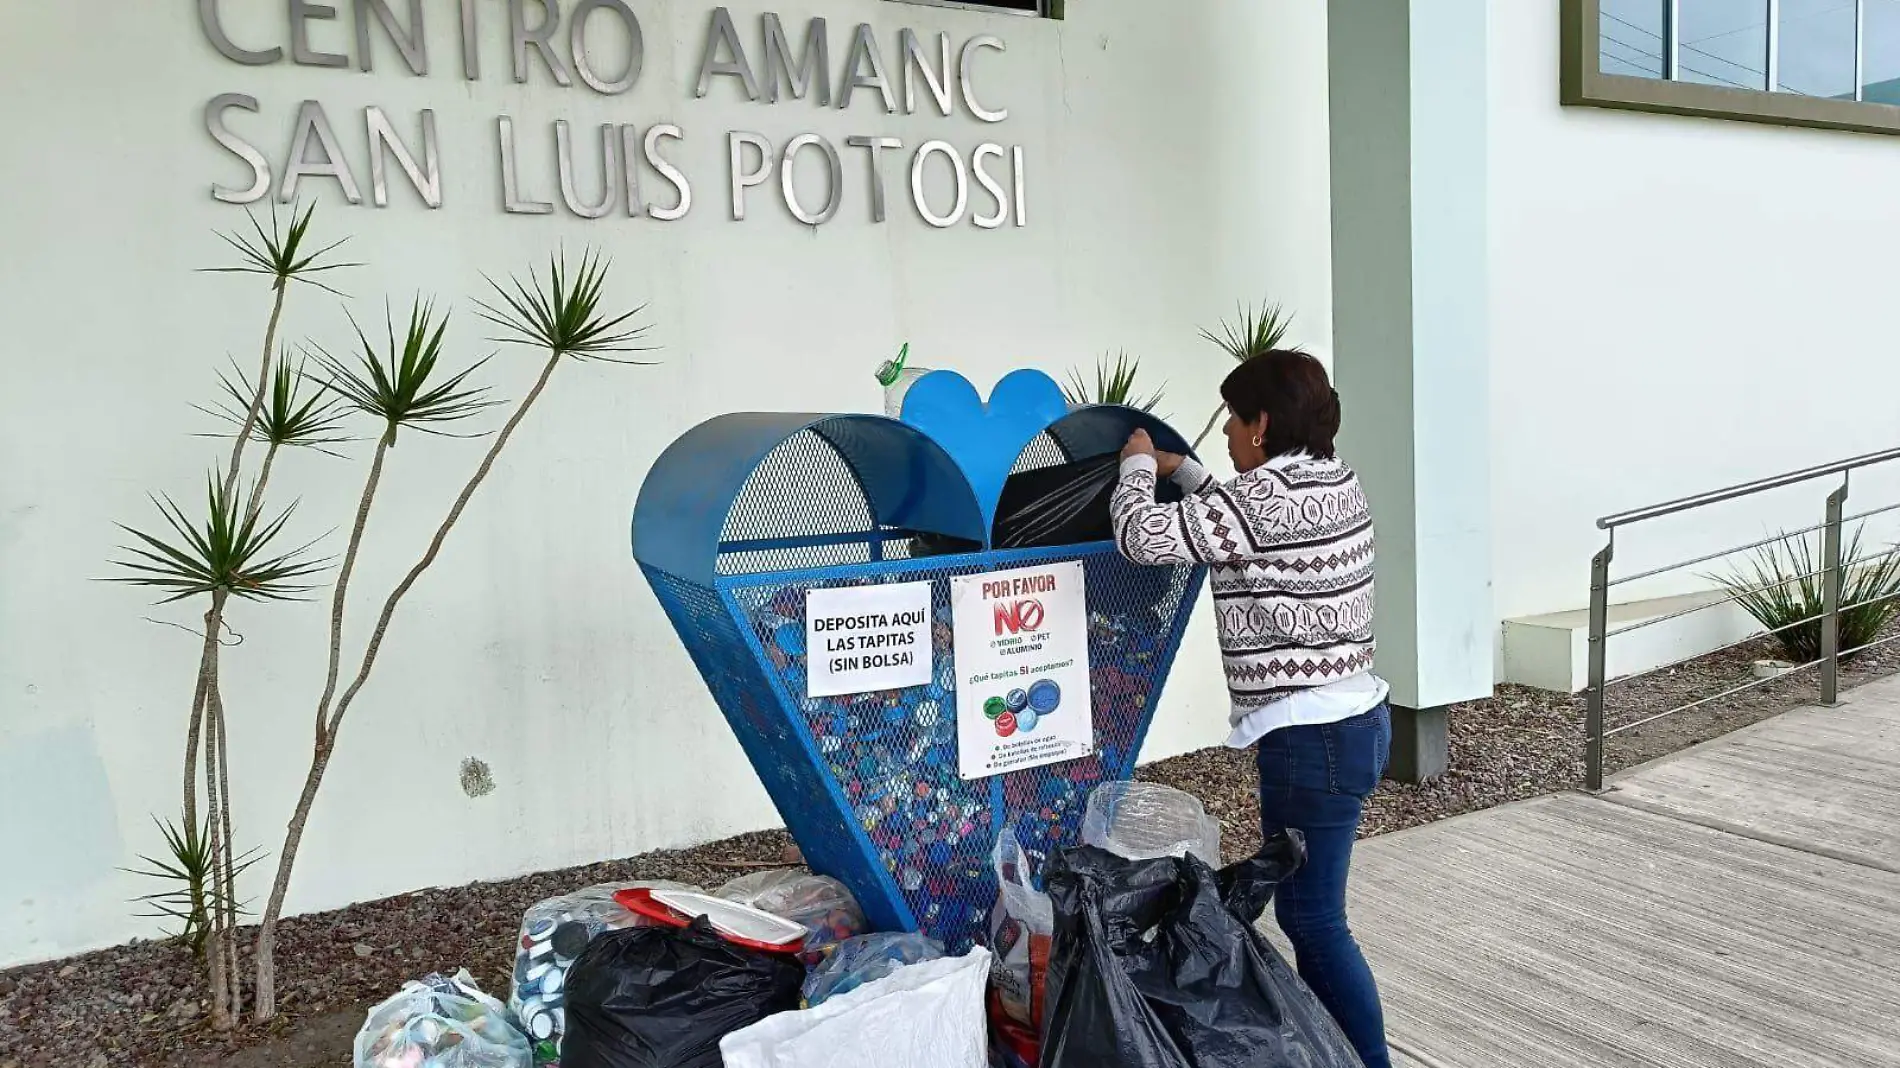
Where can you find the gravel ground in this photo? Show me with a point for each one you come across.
(139, 1005)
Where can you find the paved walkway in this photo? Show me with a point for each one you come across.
(1734, 906)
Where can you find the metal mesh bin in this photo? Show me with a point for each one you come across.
(747, 514)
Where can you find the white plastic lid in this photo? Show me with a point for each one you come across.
(733, 919)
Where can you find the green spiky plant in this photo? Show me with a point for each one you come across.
(194, 886)
(230, 557)
(562, 316)
(1782, 585)
(1252, 332)
(1114, 384)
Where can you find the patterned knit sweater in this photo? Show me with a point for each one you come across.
(1289, 549)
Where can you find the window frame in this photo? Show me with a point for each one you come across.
(1045, 9)
(1584, 84)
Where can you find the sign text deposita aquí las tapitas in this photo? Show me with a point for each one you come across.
(631, 172)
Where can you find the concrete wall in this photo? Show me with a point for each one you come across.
(1174, 166)
(1677, 305)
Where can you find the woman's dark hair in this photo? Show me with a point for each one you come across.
(1291, 387)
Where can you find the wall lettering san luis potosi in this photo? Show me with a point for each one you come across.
(631, 171)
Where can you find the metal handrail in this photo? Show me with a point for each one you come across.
(1745, 489)
(1831, 571)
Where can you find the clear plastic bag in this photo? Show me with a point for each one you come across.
(821, 905)
(867, 959)
(1021, 926)
(1062, 505)
(441, 1022)
(553, 934)
(1146, 821)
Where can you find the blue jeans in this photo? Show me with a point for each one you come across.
(1315, 779)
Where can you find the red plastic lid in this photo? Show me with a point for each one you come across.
(640, 901)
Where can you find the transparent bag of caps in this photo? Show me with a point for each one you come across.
(553, 933)
(821, 905)
(1147, 821)
(440, 1022)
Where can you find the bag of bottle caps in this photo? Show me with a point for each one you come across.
(866, 959)
(553, 934)
(821, 905)
(441, 1022)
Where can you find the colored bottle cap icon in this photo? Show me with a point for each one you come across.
(1006, 724)
(1044, 696)
(995, 708)
(1026, 720)
(1017, 700)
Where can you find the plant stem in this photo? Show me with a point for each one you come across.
(217, 958)
(343, 578)
(266, 992)
(214, 620)
(225, 870)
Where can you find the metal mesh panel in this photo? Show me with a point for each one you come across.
(911, 837)
(803, 487)
(772, 740)
(1044, 451)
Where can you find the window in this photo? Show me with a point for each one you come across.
(1824, 63)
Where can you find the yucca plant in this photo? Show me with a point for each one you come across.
(232, 553)
(1252, 332)
(1783, 587)
(1114, 384)
(560, 315)
(191, 873)
(282, 253)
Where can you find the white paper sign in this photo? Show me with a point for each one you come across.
(859, 639)
(1022, 654)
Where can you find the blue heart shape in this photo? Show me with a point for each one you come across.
(985, 439)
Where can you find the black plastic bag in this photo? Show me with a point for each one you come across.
(1062, 505)
(1156, 964)
(656, 997)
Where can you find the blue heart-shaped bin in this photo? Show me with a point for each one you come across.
(746, 514)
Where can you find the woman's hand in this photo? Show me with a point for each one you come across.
(1140, 444)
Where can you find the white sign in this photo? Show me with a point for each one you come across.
(860, 639)
(1022, 656)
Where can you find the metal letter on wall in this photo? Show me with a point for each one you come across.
(990, 186)
(667, 170)
(471, 42)
(875, 147)
(314, 125)
(864, 49)
(743, 179)
(924, 153)
(570, 189)
(711, 66)
(302, 13)
(427, 178)
(260, 167)
(966, 74)
(511, 199)
(214, 32)
(409, 40)
(789, 187)
(583, 61)
(537, 39)
(916, 61)
(814, 65)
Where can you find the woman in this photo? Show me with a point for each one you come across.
(1289, 546)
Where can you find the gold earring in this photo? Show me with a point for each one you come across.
(1256, 441)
